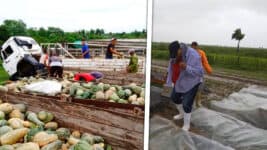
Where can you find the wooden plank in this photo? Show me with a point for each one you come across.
(120, 130)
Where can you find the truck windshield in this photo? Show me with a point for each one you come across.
(21, 42)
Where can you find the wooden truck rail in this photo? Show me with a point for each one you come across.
(114, 77)
(97, 48)
(102, 65)
(121, 129)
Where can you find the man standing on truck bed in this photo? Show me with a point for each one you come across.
(85, 50)
(111, 49)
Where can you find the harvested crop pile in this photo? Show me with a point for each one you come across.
(30, 131)
(129, 94)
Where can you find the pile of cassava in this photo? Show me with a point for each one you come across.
(128, 94)
(25, 130)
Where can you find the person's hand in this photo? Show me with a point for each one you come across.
(182, 65)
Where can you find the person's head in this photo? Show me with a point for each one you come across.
(182, 51)
(173, 49)
(45, 50)
(131, 52)
(83, 41)
(194, 45)
(114, 41)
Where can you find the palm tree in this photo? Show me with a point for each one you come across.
(238, 35)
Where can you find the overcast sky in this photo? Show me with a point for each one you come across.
(210, 21)
(71, 15)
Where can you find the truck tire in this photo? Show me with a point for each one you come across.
(14, 77)
(25, 69)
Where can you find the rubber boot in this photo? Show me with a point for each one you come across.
(187, 117)
(181, 112)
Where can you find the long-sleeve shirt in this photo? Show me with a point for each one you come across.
(204, 61)
(193, 73)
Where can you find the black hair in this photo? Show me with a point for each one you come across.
(45, 50)
(173, 48)
(194, 43)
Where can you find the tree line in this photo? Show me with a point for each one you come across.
(54, 34)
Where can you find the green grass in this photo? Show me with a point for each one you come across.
(252, 64)
(245, 62)
(251, 52)
(3, 75)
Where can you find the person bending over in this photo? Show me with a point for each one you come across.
(186, 86)
(133, 64)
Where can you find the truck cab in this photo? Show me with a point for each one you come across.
(20, 56)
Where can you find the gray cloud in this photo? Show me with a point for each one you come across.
(210, 21)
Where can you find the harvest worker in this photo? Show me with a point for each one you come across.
(85, 49)
(111, 49)
(206, 66)
(186, 86)
(55, 63)
(44, 58)
(133, 64)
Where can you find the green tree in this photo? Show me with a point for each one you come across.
(238, 35)
(12, 28)
(55, 34)
(3, 34)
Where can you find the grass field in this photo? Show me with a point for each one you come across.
(248, 52)
(3, 74)
(252, 63)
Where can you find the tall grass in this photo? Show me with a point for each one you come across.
(251, 59)
(245, 63)
(248, 52)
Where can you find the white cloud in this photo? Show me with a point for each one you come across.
(210, 21)
(70, 15)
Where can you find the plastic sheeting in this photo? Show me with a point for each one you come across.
(229, 130)
(249, 105)
(45, 87)
(165, 135)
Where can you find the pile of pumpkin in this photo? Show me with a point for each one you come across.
(25, 130)
(129, 94)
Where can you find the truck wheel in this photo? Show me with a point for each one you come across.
(14, 77)
(25, 70)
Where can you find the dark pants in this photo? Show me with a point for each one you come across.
(56, 71)
(186, 99)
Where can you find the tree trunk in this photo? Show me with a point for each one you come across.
(237, 52)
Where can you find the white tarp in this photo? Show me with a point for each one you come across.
(229, 130)
(46, 87)
(249, 105)
(165, 135)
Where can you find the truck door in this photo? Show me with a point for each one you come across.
(10, 59)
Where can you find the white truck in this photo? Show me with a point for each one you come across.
(20, 57)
